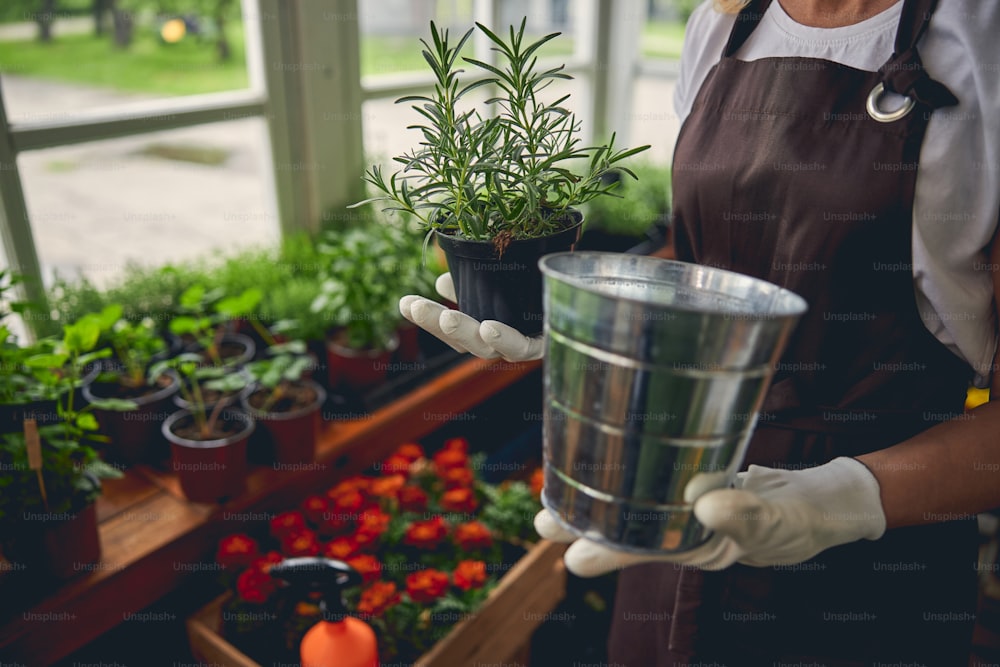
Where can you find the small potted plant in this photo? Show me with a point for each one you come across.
(285, 402)
(360, 293)
(50, 473)
(134, 434)
(208, 446)
(499, 188)
(205, 331)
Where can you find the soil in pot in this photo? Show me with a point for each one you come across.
(55, 545)
(292, 422)
(504, 286)
(234, 350)
(357, 369)
(210, 468)
(135, 435)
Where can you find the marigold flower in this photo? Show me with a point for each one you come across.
(450, 458)
(341, 548)
(473, 535)
(412, 499)
(426, 585)
(378, 597)
(286, 524)
(456, 477)
(387, 487)
(469, 574)
(461, 499)
(237, 551)
(368, 566)
(537, 482)
(426, 534)
(314, 508)
(410, 451)
(302, 543)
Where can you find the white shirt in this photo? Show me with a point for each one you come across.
(957, 199)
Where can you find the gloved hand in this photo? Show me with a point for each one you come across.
(488, 339)
(773, 517)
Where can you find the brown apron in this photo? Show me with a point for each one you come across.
(780, 173)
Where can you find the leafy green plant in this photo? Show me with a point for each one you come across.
(644, 202)
(507, 507)
(198, 322)
(501, 176)
(195, 377)
(279, 372)
(135, 345)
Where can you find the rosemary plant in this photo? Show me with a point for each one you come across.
(510, 174)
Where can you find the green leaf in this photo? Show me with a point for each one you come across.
(87, 421)
(113, 404)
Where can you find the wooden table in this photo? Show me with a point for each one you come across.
(150, 533)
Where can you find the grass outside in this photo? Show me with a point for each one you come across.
(662, 40)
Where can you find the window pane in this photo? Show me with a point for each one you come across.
(390, 29)
(155, 198)
(663, 32)
(165, 49)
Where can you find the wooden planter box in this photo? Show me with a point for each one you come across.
(498, 633)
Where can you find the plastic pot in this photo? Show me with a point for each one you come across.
(409, 342)
(358, 369)
(210, 470)
(506, 288)
(135, 434)
(55, 545)
(293, 434)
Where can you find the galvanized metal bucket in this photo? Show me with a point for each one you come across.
(654, 374)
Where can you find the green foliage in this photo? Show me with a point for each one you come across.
(643, 202)
(497, 175)
(510, 510)
(195, 377)
(278, 373)
(135, 344)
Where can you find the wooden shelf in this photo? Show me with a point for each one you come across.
(150, 533)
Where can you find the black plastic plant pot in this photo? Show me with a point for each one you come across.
(506, 288)
(210, 470)
(237, 349)
(55, 545)
(12, 415)
(135, 435)
(293, 434)
(358, 369)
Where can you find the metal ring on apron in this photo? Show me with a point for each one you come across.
(886, 116)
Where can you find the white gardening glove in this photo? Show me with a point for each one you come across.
(774, 517)
(488, 339)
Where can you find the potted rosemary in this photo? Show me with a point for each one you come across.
(498, 187)
(208, 445)
(134, 434)
(286, 402)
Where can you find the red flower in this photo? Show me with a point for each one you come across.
(377, 598)
(349, 502)
(395, 465)
(456, 477)
(286, 524)
(458, 500)
(356, 483)
(410, 451)
(537, 482)
(412, 499)
(470, 574)
(387, 487)
(473, 535)
(457, 444)
(426, 534)
(255, 585)
(334, 522)
(265, 562)
(373, 523)
(302, 543)
(450, 458)
(340, 548)
(237, 551)
(367, 566)
(314, 508)
(426, 585)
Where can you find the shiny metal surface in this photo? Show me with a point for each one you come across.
(654, 373)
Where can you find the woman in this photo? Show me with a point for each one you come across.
(848, 150)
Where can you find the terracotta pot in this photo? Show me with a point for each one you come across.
(135, 434)
(358, 369)
(57, 546)
(210, 470)
(409, 342)
(293, 434)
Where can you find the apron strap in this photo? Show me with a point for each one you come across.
(904, 72)
(748, 19)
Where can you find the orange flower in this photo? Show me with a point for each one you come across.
(349, 502)
(387, 487)
(537, 482)
(461, 499)
(457, 444)
(377, 598)
(410, 451)
(314, 507)
(426, 585)
(373, 523)
(356, 483)
(426, 534)
(456, 477)
(470, 574)
(367, 566)
(265, 562)
(237, 551)
(340, 548)
(286, 524)
(412, 499)
(395, 465)
(302, 543)
(473, 535)
(450, 458)
(255, 586)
